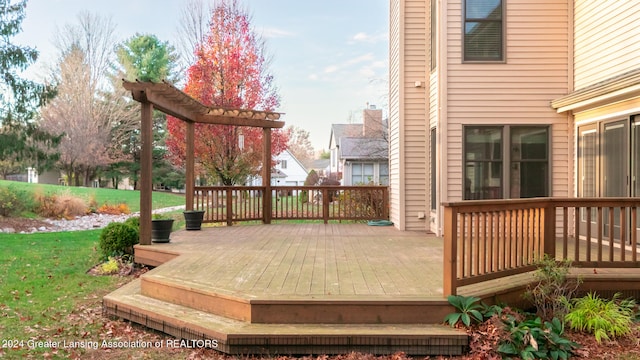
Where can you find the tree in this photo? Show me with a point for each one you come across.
(300, 145)
(93, 113)
(230, 71)
(324, 154)
(22, 142)
(193, 28)
(145, 58)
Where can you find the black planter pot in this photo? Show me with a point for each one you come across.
(193, 219)
(161, 230)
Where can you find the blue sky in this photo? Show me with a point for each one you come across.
(329, 57)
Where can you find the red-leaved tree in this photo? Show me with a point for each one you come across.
(229, 71)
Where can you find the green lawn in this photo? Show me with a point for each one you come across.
(102, 196)
(43, 278)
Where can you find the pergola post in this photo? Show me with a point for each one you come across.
(266, 175)
(146, 178)
(190, 165)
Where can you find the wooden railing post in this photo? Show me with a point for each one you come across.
(549, 231)
(325, 205)
(229, 199)
(450, 262)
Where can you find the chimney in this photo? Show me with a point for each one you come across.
(372, 122)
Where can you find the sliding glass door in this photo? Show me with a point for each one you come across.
(609, 166)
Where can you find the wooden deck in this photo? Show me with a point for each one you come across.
(305, 289)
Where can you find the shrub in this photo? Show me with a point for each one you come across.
(61, 205)
(363, 203)
(114, 209)
(118, 238)
(14, 201)
(134, 222)
(553, 288)
(93, 203)
(468, 308)
(602, 318)
(110, 267)
(535, 339)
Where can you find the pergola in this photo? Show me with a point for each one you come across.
(171, 101)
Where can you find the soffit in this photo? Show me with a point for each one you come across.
(612, 90)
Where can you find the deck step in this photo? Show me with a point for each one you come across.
(293, 309)
(241, 337)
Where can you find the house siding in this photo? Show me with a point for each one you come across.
(518, 91)
(606, 40)
(395, 108)
(408, 115)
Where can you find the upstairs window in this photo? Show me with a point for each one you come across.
(483, 30)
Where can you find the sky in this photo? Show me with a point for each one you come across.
(329, 58)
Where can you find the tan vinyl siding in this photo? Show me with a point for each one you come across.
(516, 91)
(606, 39)
(408, 117)
(395, 188)
(416, 65)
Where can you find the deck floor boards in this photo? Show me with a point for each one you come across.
(309, 260)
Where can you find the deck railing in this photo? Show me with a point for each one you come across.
(488, 239)
(231, 204)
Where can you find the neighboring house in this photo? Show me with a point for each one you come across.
(511, 99)
(359, 152)
(287, 171)
(321, 167)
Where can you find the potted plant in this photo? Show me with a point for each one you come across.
(161, 227)
(193, 219)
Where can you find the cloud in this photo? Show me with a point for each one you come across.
(313, 77)
(271, 32)
(368, 38)
(369, 70)
(359, 59)
(331, 69)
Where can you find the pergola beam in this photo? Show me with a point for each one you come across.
(239, 121)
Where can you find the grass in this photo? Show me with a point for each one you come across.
(43, 278)
(102, 196)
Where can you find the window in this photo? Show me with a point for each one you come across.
(529, 162)
(361, 173)
(506, 157)
(432, 160)
(384, 174)
(483, 30)
(283, 164)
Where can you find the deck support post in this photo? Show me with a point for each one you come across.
(450, 263)
(146, 178)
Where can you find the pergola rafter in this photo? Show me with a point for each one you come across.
(172, 101)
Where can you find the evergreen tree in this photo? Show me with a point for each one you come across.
(146, 58)
(22, 143)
